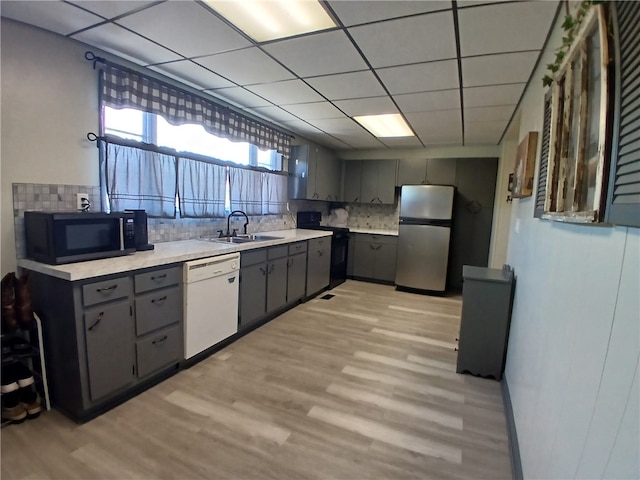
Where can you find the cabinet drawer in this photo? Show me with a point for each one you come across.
(157, 279)
(375, 238)
(157, 309)
(252, 257)
(277, 252)
(104, 291)
(319, 243)
(159, 350)
(298, 247)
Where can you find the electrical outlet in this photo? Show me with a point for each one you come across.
(82, 201)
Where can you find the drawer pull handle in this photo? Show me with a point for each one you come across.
(272, 267)
(106, 289)
(160, 340)
(158, 300)
(159, 277)
(100, 315)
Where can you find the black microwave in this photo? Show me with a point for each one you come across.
(66, 237)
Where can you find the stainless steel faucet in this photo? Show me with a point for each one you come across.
(234, 213)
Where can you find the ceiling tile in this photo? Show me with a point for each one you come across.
(287, 92)
(499, 28)
(273, 113)
(402, 142)
(241, 97)
(422, 77)
(315, 110)
(343, 126)
(301, 127)
(187, 71)
(57, 17)
(413, 40)
(125, 44)
(329, 142)
(367, 106)
(439, 119)
(428, 101)
(319, 54)
(347, 85)
(186, 28)
(441, 136)
(246, 67)
(112, 8)
(513, 68)
(493, 95)
(487, 114)
(360, 141)
(485, 132)
(351, 12)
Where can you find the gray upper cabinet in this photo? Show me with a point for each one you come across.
(433, 171)
(314, 173)
(352, 181)
(370, 181)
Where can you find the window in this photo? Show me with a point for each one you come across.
(574, 136)
(132, 124)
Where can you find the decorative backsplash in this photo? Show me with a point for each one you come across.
(366, 215)
(62, 198)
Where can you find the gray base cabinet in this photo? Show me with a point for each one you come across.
(318, 264)
(374, 257)
(487, 297)
(105, 338)
(271, 279)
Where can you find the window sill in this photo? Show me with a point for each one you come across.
(571, 217)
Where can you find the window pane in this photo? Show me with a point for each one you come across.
(195, 139)
(124, 123)
(593, 117)
(576, 84)
(269, 159)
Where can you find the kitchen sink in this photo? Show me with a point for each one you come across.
(253, 237)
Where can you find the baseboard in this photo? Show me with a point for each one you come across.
(514, 449)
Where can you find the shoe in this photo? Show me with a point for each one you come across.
(7, 290)
(23, 375)
(9, 380)
(30, 401)
(24, 311)
(12, 409)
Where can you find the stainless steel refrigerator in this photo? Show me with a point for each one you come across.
(424, 233)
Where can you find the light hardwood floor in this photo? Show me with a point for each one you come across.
(361, 386)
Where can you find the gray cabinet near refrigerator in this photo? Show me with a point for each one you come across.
(487, 296)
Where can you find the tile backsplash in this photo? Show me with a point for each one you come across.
(62, 198)
(365, 215)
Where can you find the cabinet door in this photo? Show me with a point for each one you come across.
(334, 180)
(327, 176)
(385, 262)
(441, 171)
(352, 180)
(369, 185)
(253, 293)
(296, 277)
(298, 171)
(318, 264)
(276, 284)
(412, 171)
(109, 338)
(386, 181)
(312, 173)
(473, 214)
(363, 261)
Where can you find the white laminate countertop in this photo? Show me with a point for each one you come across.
(163, 254)
(374, 231)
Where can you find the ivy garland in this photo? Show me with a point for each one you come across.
(571, 26)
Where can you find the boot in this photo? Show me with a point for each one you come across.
(24, 312)
(9, 317)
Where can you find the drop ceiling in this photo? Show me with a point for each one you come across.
(455, 70)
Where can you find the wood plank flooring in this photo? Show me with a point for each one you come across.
(361, 386)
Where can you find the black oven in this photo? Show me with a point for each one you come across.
(339, 245)
(65, 237)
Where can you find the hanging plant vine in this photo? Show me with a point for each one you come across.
(570, 25)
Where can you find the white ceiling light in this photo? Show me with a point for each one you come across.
(387, 125)
(265, 20)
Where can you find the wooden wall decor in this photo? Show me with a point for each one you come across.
(525, 165)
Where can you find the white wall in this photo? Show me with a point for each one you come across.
(572, 363)
(49, 103)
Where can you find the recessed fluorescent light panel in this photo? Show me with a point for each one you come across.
(388, 125)
(265, 20)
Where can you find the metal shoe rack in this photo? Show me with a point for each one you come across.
(34, 359)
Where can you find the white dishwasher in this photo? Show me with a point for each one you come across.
(210, 301)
